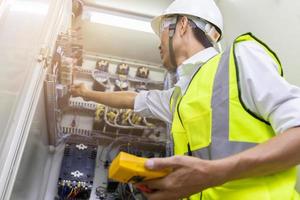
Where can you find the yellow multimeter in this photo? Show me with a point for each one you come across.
(127, 168)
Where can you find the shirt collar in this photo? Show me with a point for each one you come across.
(188, 66)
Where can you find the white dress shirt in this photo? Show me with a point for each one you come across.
(263, 90)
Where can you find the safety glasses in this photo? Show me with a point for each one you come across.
(166, 22)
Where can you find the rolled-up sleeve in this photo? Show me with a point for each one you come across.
(264, 91)
(155, 104)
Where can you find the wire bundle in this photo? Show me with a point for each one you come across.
(73, 190)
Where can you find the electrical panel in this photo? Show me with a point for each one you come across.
(93, 134)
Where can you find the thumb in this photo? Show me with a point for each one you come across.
(162, 163)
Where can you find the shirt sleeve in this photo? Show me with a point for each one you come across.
(264, 91)
(155, 104)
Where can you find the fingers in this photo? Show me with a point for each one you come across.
(159, 195)
(152, 193)
(163, 163)
(157, 184)
(74, 90)
(77, 89)
(79, 85)
(73, 87)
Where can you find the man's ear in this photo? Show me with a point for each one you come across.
(183, 25)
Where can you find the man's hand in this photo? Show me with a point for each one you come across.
(190, 175)
(123, 99)
(79, 90)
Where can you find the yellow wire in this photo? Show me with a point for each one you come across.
(70, 193)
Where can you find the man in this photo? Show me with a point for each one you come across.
(235, 120)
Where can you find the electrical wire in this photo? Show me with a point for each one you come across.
(70, 194)
(127, 140)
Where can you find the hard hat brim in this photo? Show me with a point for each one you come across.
(155, 24)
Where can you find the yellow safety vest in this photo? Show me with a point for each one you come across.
(210, 121)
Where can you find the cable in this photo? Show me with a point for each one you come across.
(125, 139)
(132, 191)
(62, 139)
(70, 194)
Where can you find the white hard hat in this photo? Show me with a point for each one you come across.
(204, 9)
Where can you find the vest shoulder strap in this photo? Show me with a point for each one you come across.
(250, 37)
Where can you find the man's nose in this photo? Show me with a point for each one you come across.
(159, 47)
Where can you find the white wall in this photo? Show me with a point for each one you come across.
(277, 22)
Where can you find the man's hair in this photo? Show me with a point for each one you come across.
(201, 37)
(199, 34)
